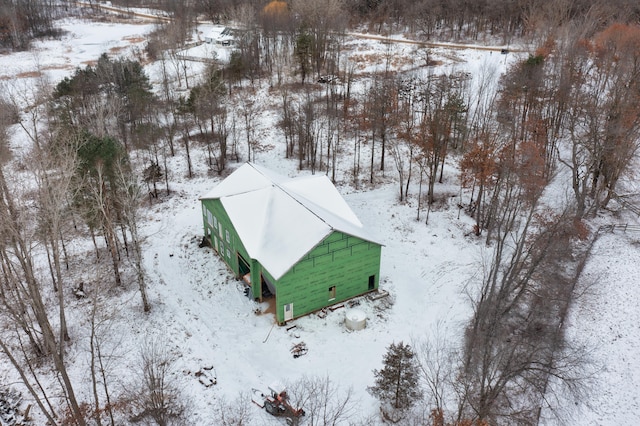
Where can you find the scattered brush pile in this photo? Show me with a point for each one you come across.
(10, 412)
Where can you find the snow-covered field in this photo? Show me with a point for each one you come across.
(201, 315)
(81, 45)
(607, 319)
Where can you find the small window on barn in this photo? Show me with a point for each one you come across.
(228, 237)
(228, 255)
(220, 232)
(332, 292)
(215, 222)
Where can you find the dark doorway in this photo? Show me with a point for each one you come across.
(372, 282)
(268, 289)
(243, 266)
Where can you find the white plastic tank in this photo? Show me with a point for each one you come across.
(355, 319)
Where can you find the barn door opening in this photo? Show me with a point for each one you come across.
(243, 266)
(288, 312)
(268, 289)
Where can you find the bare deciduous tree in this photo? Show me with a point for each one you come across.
(96, 191)
(324, 402)
(102, 356)
(237, 412)
(129, 199)
(157, 396)
(249, 110)
(604, 114)
(436, 360)
(32, 319)
(510, 344)
(320, 23)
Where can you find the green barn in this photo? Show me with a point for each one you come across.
(291, 239)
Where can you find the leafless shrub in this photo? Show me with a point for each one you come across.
(158, 399)
(236, 412)
(323, 401)
(11, 411)
(436, 364)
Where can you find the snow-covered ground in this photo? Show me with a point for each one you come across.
(80, 45)
(607, 320)
(201, 315)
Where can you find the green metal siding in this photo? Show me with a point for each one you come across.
(342, 261)
(217, 231)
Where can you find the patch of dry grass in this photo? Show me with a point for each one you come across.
(26, 74)
(134, 39)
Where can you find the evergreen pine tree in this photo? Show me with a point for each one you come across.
(397, 382)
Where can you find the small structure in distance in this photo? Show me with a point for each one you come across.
(220, 35)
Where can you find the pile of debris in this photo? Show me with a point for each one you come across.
(299, 349)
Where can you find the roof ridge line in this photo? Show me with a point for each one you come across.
(288, 192)
(302, 204)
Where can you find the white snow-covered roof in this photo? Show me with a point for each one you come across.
(280, 219)
(219, 34)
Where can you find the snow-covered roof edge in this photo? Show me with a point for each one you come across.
(318, 202)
